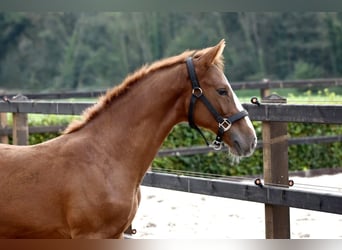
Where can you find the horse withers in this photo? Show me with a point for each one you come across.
(85, 183)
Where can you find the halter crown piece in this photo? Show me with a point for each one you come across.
(224, 123)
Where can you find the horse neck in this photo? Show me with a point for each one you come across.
(135, 124)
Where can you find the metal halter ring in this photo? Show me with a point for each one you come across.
(216, 145)
(225, 124)
(197, 91)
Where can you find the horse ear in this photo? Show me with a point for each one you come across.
(213, 54)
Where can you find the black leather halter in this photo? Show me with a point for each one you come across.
(224, 123)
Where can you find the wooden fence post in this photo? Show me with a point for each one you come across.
(265, 91)
(275, 158)
(20, 129)
(3, 125)
(20, 124)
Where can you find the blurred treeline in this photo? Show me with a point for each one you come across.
(64, 51)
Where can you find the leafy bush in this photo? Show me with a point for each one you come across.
(301, 157)
(304, 70)
(47, 120)
(43, 120)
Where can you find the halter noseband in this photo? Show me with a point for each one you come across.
(224, 124)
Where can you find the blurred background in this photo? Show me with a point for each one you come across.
(85, 51)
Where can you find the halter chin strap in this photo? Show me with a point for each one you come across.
(224, 123)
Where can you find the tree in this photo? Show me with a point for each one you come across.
(333, 23)
(97, 50)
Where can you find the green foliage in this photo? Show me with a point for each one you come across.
(54, 51)
(47, 120)
(301, 157)
(219, 163)
(316, 96)
(334, 32)
(304, 70)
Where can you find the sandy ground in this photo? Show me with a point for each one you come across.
(165, 214)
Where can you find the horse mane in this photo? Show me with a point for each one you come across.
(111, 94)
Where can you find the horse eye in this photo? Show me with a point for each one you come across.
(222, 92)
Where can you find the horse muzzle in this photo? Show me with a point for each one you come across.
(242, 146)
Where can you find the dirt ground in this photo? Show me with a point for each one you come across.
(165, 214)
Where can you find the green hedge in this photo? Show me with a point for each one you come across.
(301, 157)
(46, 120)
(43, 120)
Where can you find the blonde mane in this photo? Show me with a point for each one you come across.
(106, 100)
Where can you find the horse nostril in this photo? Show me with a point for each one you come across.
(237, 146)
(244, 148)
(254, 143)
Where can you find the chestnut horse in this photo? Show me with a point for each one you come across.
(85, 183)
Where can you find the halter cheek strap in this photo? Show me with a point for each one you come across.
(224, 123)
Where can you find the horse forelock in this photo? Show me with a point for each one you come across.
(106, 100)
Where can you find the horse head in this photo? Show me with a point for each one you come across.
(214, 105)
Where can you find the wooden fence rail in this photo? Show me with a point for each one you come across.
(264, 86)
(265, 112)
(248, 191)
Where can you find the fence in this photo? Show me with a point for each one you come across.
(264, 86)
(276, 194)
(275, 191)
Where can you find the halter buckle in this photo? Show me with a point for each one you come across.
(225, 124)
(216, 145)
(197, 91)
